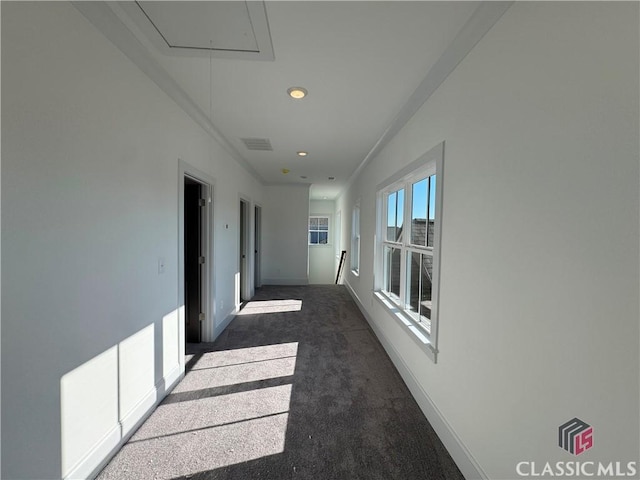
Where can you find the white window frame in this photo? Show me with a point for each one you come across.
(355, 240)
(431, 163)
(328, 231)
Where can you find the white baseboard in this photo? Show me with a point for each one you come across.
(169, 381)
(285, 281)
(86, 468)
(460, 454)
(131, 420)
(98, 457)
(225, 323)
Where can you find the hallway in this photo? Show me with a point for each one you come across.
(296, 387)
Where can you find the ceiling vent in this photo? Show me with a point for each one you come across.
(257, 143)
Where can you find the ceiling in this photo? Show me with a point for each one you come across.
(360, 62)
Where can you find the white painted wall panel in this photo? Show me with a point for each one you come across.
(170, 342)
(284, 235)
(89, 407)
(136, 369)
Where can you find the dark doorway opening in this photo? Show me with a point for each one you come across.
(193, 260)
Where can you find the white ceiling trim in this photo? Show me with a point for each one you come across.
(107, 22)
(481, 21)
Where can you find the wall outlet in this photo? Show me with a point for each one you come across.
(221, 304)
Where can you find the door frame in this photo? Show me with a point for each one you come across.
(208, 279)
(257, 245)
(245, 282)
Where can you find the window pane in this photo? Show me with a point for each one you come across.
(391, 216)
(413, 281)
(323, 223)
(355, 254)
(419, 287)
(395, 215)
(432, 197)
(313, 238)
(432, 209)
(392, 270)
(386, 266)
(426, 303)
(355, 239)
(322, 238)
(400, 212)
(419, 212)
(395, 272)
(313, 224)
(338, 235)
(426, 273)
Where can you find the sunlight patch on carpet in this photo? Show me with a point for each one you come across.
(271, 306)
(204, 429)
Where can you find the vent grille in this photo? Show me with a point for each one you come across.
(257, 143)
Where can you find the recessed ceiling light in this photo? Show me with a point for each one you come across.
(297, 92)
(302, 153)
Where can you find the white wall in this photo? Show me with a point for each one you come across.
(284, 235)
(90, 336)
(322, 257)
(539, 282)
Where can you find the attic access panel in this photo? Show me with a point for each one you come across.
(231, 29)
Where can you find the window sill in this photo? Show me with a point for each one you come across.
(415, 332)
(355, 273)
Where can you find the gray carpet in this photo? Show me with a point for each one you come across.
(297, 388)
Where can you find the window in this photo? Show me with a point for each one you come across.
(318, 230)
(408, 250)
(355, 240)
(338, 234)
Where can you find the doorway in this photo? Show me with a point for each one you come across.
(257, 228)
(243, 249)
(194, 258)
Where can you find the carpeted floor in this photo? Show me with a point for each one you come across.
(297, 387)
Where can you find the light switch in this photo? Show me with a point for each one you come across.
(160, 265)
